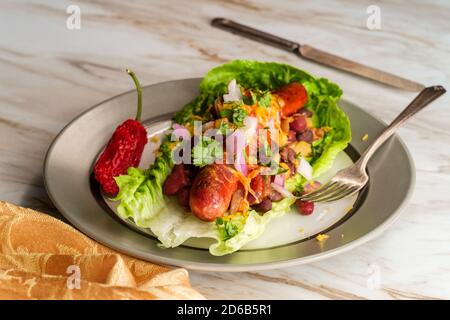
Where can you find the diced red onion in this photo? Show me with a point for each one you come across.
(235, 141)
(240, 164)
(234, 92)
(279, 180)
(305, 169)
(181, 131)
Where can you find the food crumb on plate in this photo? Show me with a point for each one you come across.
(349, 209)
(322, 237)
(154, 139)
(301, 230)
(365, 137)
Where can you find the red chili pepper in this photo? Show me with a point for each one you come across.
(124, 149)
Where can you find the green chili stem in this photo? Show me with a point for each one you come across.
(139, 93)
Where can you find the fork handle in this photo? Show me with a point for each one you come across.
(423, 99)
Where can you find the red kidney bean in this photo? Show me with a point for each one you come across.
(305, 207)
(287, 155)
(284, 154)
(176, 180)
(275, 196)
(292, 170)
(291, 155)
(292, 136)
(306, 136)
(251, 198)
(299, 124)
(263, 206)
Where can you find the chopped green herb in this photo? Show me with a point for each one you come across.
(248, 100)
(265, 99)
(235, 115)
(230, 228)
(224, 128)
(206, 151)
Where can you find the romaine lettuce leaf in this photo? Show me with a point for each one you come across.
(254, 226)
(328, 114)
(172, 226)
(140, 191)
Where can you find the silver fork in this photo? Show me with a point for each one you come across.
(352, 179)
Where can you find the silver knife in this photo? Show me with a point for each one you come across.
(317, 55)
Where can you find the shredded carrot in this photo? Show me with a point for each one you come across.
(245, 183)
(244, 205)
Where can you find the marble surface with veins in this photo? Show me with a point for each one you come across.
(49, 74)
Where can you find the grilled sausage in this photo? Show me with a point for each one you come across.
(294, 97)
(211, 192)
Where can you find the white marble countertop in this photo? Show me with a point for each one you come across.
(49, 74)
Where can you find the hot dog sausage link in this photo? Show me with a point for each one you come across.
(211, 192)
(294, 97)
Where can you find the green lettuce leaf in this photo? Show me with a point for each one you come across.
(295, 184)
(254, 226)
(140, 191)
(172, 226)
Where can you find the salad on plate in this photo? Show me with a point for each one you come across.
(236, 157)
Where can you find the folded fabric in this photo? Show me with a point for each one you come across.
(44, 258)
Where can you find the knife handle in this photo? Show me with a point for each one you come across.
(254, 34)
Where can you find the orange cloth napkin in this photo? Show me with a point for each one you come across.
(44, 258)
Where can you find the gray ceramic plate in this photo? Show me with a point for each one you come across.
(70, 158)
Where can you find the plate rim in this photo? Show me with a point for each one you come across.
(222, 267)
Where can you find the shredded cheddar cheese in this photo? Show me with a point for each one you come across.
(322, 237)
(302, 147)
(245, 183)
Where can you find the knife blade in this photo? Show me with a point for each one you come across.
(316, 55)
